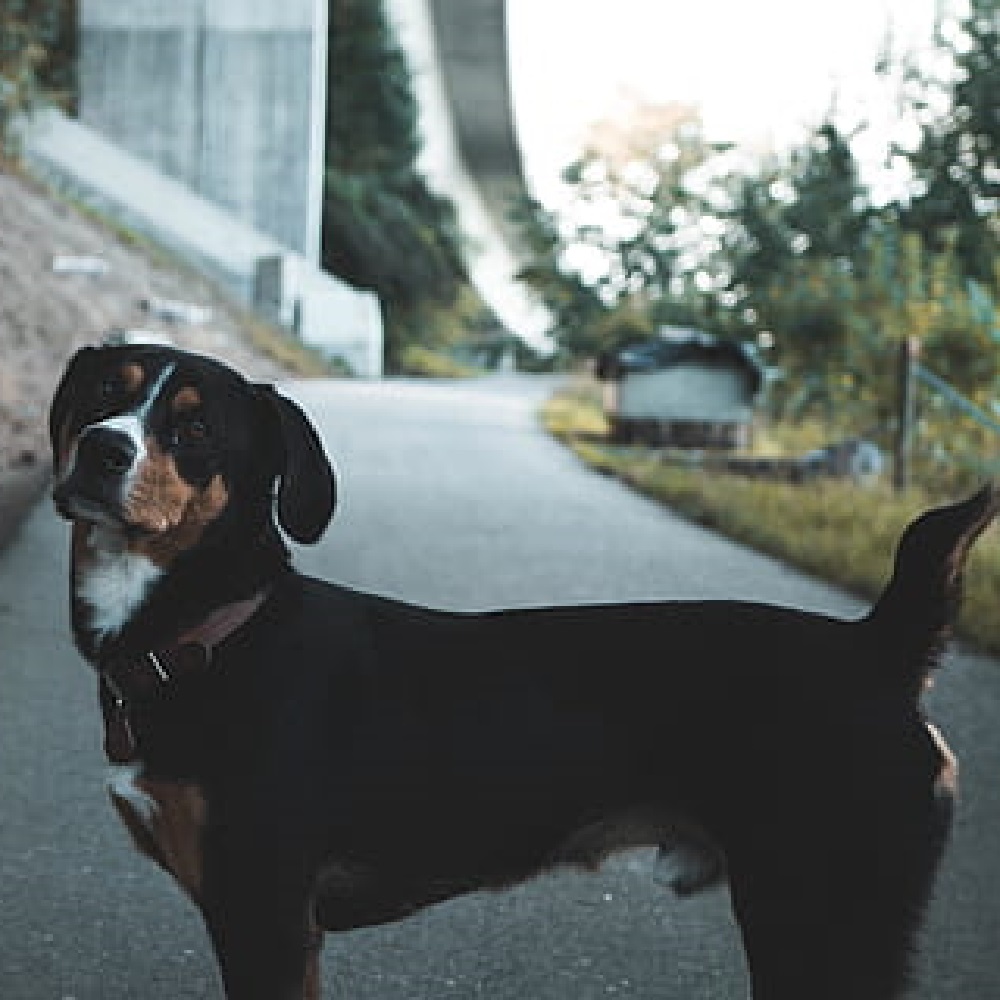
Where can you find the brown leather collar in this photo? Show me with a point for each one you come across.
(141, 677)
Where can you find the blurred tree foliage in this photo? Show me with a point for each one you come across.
(789, 249)
(576, 304)
(383, 228)
(37, 56)
(811, 205)
(617, 261)
(957, 163)
(840, 323)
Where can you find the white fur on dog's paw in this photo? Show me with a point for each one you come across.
(688, 864)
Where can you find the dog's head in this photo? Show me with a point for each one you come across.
(164, 446)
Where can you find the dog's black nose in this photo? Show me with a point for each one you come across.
(103, 451)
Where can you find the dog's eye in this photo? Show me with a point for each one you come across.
(194, 430)
(108, 388)
(108, 395)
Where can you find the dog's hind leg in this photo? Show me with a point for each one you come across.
(687, 863)
(840, 925)
(800, 944)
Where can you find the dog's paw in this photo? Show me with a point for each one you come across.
(688, 864)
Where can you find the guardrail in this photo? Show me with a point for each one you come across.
(955, 398)
(912, 372)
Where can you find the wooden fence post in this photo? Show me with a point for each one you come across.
(909, 352)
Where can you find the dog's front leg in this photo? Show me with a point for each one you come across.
(266, 942)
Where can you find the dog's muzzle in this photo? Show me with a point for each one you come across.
(104, 453)
(95, 483)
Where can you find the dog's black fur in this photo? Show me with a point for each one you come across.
(347, 759)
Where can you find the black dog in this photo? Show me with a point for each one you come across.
(304, 758)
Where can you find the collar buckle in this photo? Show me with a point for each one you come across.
(130, 682)
(158, 667)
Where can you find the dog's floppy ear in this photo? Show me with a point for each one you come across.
(307, 491)
(61, 408)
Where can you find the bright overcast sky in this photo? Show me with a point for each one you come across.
(760, 70)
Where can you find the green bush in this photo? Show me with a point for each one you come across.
(417, 361)
(37, 57)
(384, 228)
(20, 58)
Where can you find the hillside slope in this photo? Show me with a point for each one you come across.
(45, 316)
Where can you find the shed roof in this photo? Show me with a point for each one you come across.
(673, 346)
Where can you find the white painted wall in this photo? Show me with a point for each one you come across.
(325, 312)
(685, 392)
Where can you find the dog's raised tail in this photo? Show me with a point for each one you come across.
(916, 612)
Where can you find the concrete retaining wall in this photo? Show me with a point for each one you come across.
(325, 312)
(227, 96)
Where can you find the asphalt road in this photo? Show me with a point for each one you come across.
(450, 495)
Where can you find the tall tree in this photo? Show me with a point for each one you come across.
(575, 305)
(625, 252)
(957, 163)
(384, 229)
(812, 206)
(829, 207)
(639, 204)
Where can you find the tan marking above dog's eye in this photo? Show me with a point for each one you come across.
(124, 381)
(188, 398)
(132, 376)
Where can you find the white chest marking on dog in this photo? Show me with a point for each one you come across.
(113, 582)
(122, 785)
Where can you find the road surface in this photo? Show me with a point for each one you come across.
(450, 495)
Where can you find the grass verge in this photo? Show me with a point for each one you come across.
(417, 361)
(833, 530)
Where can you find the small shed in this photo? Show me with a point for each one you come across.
(683, 388)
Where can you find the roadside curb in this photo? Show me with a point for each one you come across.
(19, 496)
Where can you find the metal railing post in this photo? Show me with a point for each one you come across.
(909, 352)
